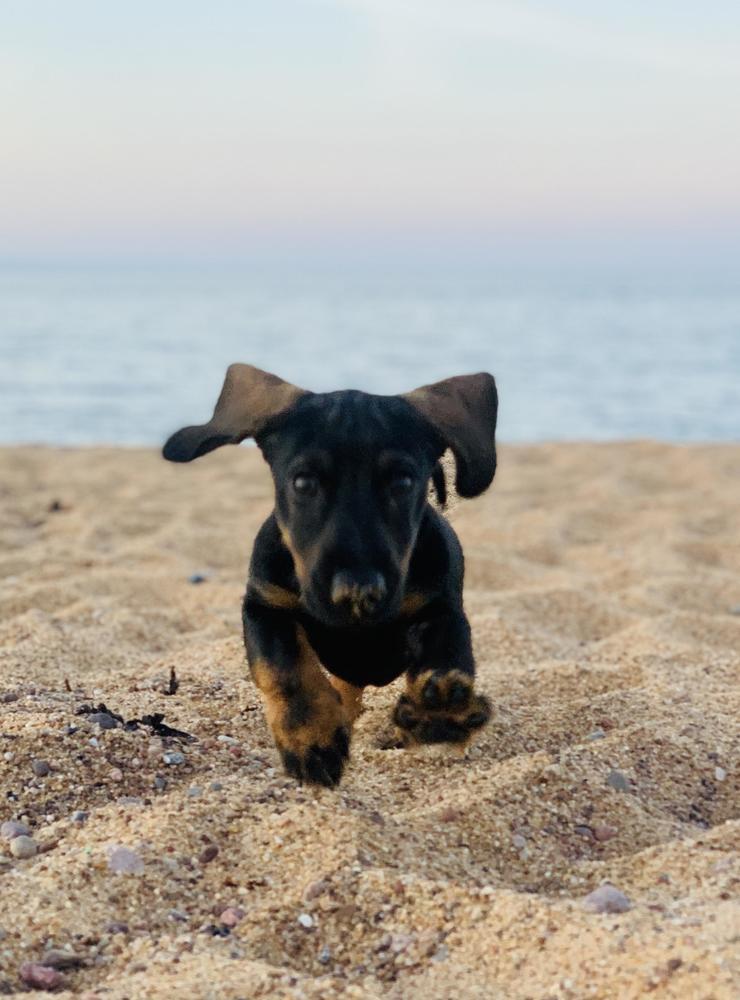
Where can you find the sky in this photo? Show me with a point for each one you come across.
(178, 127)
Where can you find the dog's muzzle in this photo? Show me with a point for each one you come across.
(359, 593)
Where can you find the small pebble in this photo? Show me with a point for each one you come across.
(40, 977)
(215, 786)
(130, 800)
(173, 757)
(179, 916)
(116, 774)
(103, 720)
(48, 845)
(124, 861)
(603, 833)
(56, 958)
(40, 768)
(597, 734)
(116, 927)
(606, 899)
(80, 816)
(720, 774)
(519, 841)
(325, 955)
(12, 828)
(194, 791)
(208, 854)
(231, 916)
(316, 889)
(306, 920)
(198, 577)
(217, 931)
(223, 738)
(8, 696)
(618, 781)
(585, 831)
(23, 847)
(159, 783)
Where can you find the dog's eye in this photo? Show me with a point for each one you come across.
(402, 483)
(306, 486)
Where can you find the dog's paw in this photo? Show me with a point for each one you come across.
(318, 764)
(312, 737)
(311, 729)
(440, 707)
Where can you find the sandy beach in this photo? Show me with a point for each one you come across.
(603, 587)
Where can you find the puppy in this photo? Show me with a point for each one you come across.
(355, 578)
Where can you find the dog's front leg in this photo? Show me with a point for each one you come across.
(440, 704)
(309, 723)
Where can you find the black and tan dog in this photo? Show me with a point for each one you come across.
(354, 571)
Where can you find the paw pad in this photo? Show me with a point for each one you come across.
(441, 708)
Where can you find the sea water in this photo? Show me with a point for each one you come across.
(126, 354)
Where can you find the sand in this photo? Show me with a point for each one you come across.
(603, 585)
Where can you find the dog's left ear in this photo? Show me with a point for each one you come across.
(249, 400)
(463, 411)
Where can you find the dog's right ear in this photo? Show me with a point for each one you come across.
(249, 399)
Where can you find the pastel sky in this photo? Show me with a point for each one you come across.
(169, 125)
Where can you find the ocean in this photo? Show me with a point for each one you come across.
(125, 354)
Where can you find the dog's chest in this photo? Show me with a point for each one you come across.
(370, 656)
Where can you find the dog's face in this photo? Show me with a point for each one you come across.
(351, 473)
(351, 476)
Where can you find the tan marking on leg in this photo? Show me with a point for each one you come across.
(324, 712)
(351, 696)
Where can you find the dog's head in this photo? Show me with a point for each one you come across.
(351, 473)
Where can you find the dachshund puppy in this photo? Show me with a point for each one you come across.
(355, 578)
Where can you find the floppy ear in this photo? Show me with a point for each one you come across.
(463, 412)
(248, 400)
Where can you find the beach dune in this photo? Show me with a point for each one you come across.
(603, 588)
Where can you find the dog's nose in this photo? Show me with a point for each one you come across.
(363, 592)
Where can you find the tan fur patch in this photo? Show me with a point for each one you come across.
(276, 597)
(324, 710)
(351, 696)
(298, 561)
(413, 602)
